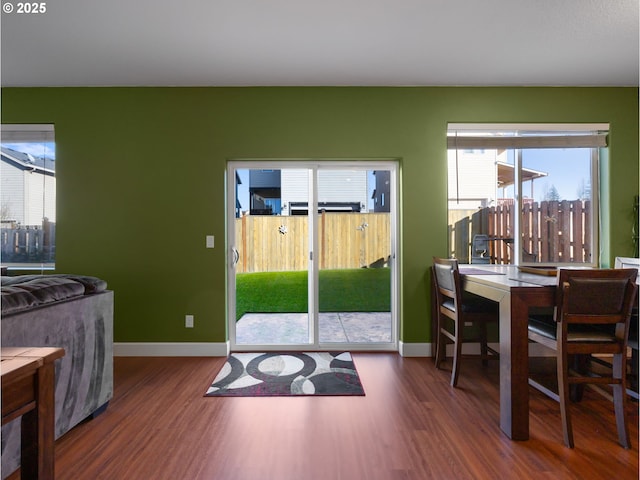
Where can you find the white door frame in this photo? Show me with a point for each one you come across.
(313, 165)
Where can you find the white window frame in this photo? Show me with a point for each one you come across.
(463, 136)
(36, 134)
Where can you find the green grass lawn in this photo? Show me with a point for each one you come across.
(352, 290)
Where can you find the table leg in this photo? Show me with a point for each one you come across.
(514, 367)
(38, 429)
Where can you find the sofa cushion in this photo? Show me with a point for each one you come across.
(91, 284)
(51, 289)
(15, 299)
(44, 290)
(7, 281)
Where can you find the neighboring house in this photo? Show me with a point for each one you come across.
(28, 188)
(381, 194)
(238, 204)
(285, 192)
(264, 192)
(481, 178)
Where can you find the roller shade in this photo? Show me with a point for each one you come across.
(26, 133)
(542, 141)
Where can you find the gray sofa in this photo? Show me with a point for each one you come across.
(74, 312)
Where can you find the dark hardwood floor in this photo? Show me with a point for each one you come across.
(410, 425)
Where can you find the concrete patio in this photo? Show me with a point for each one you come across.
(292, 328)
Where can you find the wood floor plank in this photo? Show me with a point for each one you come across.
(410, 425)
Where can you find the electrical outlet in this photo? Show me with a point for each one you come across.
(188, 321)
(468, 324)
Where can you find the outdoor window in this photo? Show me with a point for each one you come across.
(28, 197)
(524, 194)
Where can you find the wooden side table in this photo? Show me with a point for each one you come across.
(28, 389)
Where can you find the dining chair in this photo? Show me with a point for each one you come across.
(591, 316)
(633, 341)
(456, 309)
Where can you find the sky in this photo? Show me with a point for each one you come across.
(567, 169)
(47, 149)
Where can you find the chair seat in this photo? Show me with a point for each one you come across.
(547, 327)
(473, 304)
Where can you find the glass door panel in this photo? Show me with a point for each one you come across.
(271, 271)
(354, 253)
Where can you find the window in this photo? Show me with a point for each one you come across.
(28, 197)
(524, 194)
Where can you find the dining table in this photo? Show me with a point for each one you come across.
(516, 292)
(28, 393)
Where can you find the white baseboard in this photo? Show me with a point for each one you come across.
(415, 349)
(183, 349)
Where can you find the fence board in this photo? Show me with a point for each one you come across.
(28, 244)
(576, 233)
(587, 243)
(552, 231)
(280, 243)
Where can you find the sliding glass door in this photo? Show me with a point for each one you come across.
(354, 256)
(311, 255)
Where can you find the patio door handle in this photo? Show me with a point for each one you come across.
(236, 256)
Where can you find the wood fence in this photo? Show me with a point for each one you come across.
(552, 231)
(28, 244)
(280, 243)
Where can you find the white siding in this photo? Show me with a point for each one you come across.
(342, 186)
(22, 193)
(295, 187)
(12, 193)
(476, 180)
(40, 198)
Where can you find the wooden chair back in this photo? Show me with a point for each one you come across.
(597, 297)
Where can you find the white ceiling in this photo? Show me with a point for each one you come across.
(322, 42)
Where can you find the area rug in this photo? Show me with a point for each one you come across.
(287, 374)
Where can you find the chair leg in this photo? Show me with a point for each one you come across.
(457, 353)
(633, 376)
(620, 399)
(563, 394)
(581, 366)
(441, 344)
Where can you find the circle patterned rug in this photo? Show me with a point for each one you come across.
(287, 374)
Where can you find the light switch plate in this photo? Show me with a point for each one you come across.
(210, 241)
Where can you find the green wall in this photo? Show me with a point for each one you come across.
(141, 178)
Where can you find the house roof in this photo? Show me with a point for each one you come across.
(345, 42)
(27, 161)
(506, 174)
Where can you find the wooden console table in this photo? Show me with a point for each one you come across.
(28, 389)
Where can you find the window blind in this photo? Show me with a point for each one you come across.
(521, 136)
(542, 141)
(14, 133)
